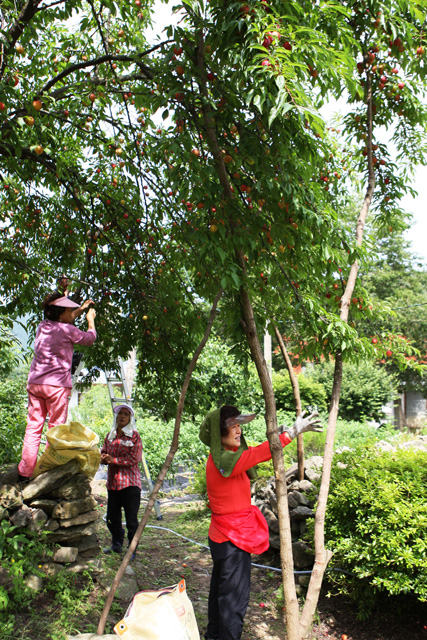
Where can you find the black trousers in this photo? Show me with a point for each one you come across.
(129, 499)
(229, 591)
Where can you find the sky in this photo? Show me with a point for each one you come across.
(417, 234)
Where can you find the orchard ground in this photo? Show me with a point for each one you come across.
(73, 604)
(163, 558)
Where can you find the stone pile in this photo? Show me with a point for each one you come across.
(302, 497)
(60, 502)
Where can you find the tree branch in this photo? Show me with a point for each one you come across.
(108, 57)
(165, 467)
(297, 398)
(25, 16)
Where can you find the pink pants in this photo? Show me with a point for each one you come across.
(43, 399)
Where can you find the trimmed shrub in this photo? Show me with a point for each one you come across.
(312, 393)
(365, 388)
(376, 522)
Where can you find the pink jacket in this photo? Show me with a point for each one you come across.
(53, 352)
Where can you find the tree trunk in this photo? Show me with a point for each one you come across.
(256, 350)
(164, 469)
(322, 556)
(291, 601)
(297, 399)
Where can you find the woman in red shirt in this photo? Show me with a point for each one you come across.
(237, 528)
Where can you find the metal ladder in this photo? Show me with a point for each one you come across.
(119, 381)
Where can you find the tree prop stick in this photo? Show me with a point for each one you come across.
(297, 398)
(164, 469)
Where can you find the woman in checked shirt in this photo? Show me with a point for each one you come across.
(122, 452)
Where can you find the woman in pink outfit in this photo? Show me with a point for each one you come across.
(49, 381)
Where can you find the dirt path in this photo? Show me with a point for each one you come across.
(163, 558)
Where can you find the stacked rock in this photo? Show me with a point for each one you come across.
(60, 502)
(302, 496)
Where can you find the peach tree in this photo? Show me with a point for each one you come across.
(194, 172)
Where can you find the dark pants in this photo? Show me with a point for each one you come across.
(128, 498)
(229, 592)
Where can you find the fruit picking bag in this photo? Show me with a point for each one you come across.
(166, 614)
(67, 441)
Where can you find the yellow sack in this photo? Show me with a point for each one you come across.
(67, 441)
(166, 614)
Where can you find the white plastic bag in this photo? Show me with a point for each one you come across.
(166, 614)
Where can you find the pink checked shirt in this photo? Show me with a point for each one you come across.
(126, 452)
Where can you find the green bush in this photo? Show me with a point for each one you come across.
(13, 418)
(365, 388)
(376, 522)
(94, 410)
(19, 555)
(157, 438)
(198, 482)
(348, 434)
(312, 393)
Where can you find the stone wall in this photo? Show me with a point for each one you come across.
(302, 497)
(59, 502)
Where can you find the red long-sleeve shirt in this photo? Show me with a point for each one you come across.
(126, 452)
(230, 498)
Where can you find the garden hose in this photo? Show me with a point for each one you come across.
(257, 566)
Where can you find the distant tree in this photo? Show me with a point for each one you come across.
(220, 378)
(94, 409)
(11, 352)
(396, 280)
(366, 387)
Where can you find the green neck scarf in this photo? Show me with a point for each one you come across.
(210, 435)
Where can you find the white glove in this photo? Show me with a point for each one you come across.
(301, 425)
